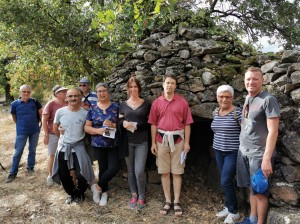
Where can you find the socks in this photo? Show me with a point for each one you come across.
(253, 219)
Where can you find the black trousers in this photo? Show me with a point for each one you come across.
(109, 165)
(66, 180)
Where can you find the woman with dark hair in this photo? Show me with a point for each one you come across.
(50, 138)
(134, 116)
(101, 123)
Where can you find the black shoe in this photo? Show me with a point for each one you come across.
(79, 199)
(11, 177)
(30, 171)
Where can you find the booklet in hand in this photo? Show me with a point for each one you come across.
(109, 132)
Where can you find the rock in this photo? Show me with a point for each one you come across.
(291, 141)
(279, 70)
(283, 215)
(204, 110)
(269, 66)
(194, 86)
(285, 192)
(290, 56)
(295, 94)
(191, 33)
(209, 78)
(164, 41)
(281, 81)
(286, 112)
(292, 68)
(295, 78)
(287, 161)
(138, 54)
(209, 96)
(151, 55)
(291, 173)
(184, 54)
(167, 51)
(267, 78)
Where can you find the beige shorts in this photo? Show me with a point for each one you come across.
(169, 162)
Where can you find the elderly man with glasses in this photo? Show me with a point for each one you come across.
(72, 167)
(89, 98)
(26, 113)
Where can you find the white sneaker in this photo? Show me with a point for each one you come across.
(232, 218)
(223, 213)
(103, 200)
(49, 181)
(96, 193)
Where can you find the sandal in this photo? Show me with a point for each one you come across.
(166, 208)
(177, 209)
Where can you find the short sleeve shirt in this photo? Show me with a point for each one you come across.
(90, 100)
(26, 116)
(97, 117)
(254, 130)
(170, 115)
(73, 124)
(50, 109)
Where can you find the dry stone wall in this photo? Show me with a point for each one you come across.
(202, 63)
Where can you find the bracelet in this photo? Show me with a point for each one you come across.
(46, 135)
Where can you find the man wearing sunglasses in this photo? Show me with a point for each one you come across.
(259, 131)
(25, 112)
(89, 98)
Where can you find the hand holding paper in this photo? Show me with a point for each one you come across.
(183, 157)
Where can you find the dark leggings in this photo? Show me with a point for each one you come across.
(66, 179)
(108, 161)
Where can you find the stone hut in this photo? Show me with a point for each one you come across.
(202, 63)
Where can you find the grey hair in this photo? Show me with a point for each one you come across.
(24, 87)
(105, 85)
(225, 88)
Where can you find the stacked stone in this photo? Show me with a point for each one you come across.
(201, 64)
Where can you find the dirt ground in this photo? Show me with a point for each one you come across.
(29, 200)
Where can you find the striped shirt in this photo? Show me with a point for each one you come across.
(226, 131)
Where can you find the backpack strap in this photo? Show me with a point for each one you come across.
(236, 117)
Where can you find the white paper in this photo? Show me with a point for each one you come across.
(182, 157)
(109, 132)
(132, 126)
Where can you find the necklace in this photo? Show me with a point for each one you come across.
(133, 103)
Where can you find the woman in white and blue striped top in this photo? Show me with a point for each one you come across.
(226, 128)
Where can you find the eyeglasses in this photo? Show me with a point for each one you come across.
(26, 91)
(82, 85)
(71, 96)
(102, 91)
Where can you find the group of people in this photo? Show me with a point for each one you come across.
(244, 142)
(81, 126)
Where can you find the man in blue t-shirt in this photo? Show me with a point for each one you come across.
(25, 112)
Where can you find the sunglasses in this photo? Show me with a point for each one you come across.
(246, 110)
(82, 85)
(26, 91)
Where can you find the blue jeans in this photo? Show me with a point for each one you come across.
(136, 161)
(19, 148)
(226, 162)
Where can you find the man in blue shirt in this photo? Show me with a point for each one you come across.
(89, 99)
(25, 112)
